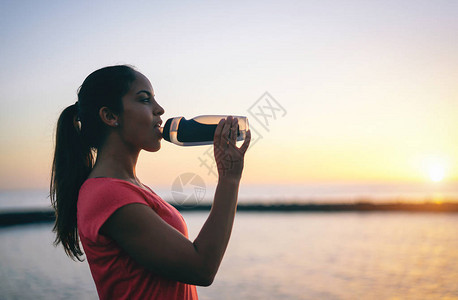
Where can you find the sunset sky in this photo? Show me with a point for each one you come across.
(362, 91)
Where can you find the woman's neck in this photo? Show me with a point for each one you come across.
(115, 162)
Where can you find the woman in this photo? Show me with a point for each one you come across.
(135, 243)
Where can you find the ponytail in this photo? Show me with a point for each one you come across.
(80, 132)
(73, 161)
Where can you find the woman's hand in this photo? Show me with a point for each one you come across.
(229, 158)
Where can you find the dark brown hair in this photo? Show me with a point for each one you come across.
(79, 133)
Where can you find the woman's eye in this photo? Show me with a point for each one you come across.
(147, 100)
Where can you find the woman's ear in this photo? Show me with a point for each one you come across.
(108, 117)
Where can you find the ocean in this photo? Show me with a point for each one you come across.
(274, 256)
(271, 255)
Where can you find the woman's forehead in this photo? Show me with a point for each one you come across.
(141, 83)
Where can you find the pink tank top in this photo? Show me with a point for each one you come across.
(116, 275)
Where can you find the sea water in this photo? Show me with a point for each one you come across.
(274, 256)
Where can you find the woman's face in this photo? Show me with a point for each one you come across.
(140, 120)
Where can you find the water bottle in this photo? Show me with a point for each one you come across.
(199, 130)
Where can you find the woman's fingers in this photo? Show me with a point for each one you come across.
(218, 133)
(234, 126)
(246, 142)
(229, 157)
(221, 139)
(226, 129)
(226, 136)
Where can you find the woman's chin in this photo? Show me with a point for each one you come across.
(153, 148)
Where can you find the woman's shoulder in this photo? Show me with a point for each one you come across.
(101, 187)
(105, 193)
(106, 183)
(99, 198)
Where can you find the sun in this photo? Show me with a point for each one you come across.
(435, 167)
(436, 171)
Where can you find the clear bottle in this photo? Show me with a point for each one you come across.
(199, 130)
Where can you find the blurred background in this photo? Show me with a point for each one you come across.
(347, 101)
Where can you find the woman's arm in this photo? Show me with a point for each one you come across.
(158, 246)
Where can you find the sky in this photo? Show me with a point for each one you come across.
(335, 91)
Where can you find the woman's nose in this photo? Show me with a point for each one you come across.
(158, 110)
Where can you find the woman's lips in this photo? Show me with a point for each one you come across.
(158, 127)
(159, 130)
